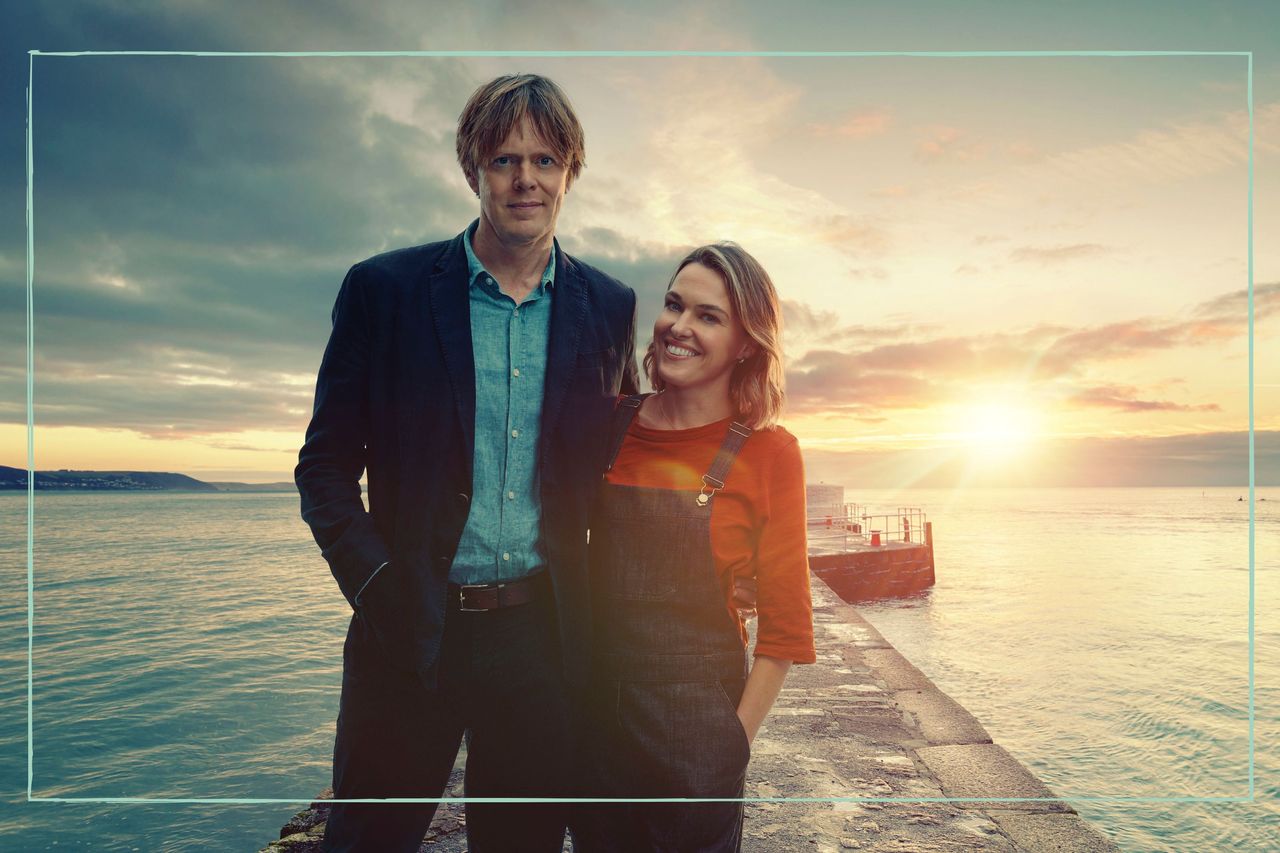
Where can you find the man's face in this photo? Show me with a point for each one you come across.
(521, 186)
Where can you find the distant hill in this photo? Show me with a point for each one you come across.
(65, 480)
(254, 487)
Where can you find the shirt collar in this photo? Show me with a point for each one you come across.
(475, 269)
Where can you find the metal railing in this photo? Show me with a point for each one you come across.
(837, 527)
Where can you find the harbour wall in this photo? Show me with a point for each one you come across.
(861, 752)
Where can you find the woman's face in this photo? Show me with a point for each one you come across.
(697, 338)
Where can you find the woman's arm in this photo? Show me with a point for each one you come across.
(785, 632)
(763, 684)
(781, 564)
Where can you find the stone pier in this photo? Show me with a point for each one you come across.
(862, 724)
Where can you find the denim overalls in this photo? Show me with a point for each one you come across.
(670, 665)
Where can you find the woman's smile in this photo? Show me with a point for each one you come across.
(676, 350)
(700, 340)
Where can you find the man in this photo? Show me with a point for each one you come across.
(473, 380)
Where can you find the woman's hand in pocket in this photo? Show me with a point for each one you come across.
(763, 684)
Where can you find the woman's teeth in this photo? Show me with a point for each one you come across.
(680, 351)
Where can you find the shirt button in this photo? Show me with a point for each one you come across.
(506, 556)
(515, 372)
(515, 433)
(511, 496)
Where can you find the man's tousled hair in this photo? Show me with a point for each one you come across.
(495, 108)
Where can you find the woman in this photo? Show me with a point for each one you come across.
(702, 489)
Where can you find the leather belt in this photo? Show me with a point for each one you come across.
(471, 598)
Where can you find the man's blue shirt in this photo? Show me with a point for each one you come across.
(502, 539)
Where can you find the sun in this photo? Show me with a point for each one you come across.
(997, 429)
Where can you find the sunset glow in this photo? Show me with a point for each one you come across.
(1055, 277)
(998, 430)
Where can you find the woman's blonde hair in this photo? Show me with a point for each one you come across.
(756, 388)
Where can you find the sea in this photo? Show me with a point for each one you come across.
(189, 646)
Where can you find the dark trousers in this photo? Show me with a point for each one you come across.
(500, 680)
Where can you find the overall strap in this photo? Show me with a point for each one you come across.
(623, 415)
(713, 480)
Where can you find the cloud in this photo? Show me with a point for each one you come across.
(710, 168)
(1108, 342)
(1049, 255)
(871, 369)
(1201, 459)
(907, 374)
(194, 217)
(1123, 398)
(204, 233)
(1234, 306)
(948, 143)
(857, 125)
(832, 382)
(160, 405)
(857, 334)
(1023, 152)
(857, 235)
(1221, 318)
(1161, 155)
(803, 320)
(644, 266)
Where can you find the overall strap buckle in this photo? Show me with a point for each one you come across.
(708, 483)
(713, 480)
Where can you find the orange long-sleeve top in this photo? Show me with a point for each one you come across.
(757, 521)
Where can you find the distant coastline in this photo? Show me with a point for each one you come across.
(66, 480)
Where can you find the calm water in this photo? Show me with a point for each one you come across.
(190, 646)
(1101, 636)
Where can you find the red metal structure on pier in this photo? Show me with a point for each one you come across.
(864, 556)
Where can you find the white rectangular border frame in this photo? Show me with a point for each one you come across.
(656, 54)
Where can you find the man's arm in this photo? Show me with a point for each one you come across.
(332, 459)
(630, 375)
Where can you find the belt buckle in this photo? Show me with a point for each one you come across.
(462, 596)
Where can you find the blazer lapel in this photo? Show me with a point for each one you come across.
(451, 313)
(568, 311)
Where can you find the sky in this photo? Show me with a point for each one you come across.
(994, 271)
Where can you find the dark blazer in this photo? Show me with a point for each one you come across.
(396, 397)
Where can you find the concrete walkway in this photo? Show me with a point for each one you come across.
(860, 723)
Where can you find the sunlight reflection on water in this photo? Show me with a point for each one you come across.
(190, 645)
